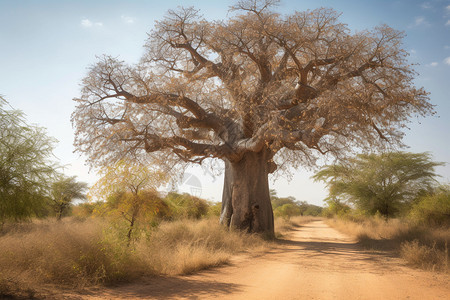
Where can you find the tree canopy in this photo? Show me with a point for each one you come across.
(380, 182)
(259, 91)
(126, 176)
(26, 168)
(63, 191)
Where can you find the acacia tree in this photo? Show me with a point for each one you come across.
(26, 169)
(258, 91)
(64, 191)
(380, 182)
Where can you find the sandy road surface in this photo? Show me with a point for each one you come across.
(317, 262)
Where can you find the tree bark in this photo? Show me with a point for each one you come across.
(59, 212)
(246, 198)
(227, 207)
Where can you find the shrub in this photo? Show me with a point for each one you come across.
(71, 253)
(313, 210)
(288, 207)
(433, 209)
(186, 206)
(214, 209)
(287, 210)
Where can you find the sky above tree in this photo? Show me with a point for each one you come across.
(47, 46)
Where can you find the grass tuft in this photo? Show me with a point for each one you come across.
(424, 256)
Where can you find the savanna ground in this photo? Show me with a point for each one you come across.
(309, 260)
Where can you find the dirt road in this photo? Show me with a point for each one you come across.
(317, 262)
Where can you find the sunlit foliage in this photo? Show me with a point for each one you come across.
(433, 209)
(130, 192)
(288, 207)
(380, 182)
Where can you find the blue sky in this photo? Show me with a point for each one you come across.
(46, 47)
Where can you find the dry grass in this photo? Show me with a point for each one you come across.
(79, 253)
(424, 256)
(188, 246)
(420, 246)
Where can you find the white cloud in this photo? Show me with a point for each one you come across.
(426, 5)
(448, 23)
(433, 64)
(448, 8)
(127, 19)
(447, 60)
(420, 21)
(446, 47)
(412, 51)
(87, 23)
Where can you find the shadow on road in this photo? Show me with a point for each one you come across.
(170, 288)
(316, 251)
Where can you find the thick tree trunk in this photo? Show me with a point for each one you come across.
(246, 199)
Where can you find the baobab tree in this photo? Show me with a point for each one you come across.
(260, 91)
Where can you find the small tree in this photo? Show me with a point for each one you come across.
(380, 182)
(64, 191)
(26, 170)
(130, 189)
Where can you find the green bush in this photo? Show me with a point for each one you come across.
(335, 208)
(214, 209)
(288, 207)
(187, 206)
(287, 210)
(313, 210)
(433, 209)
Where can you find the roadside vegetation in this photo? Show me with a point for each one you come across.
(172, 235)
(78, 252)
(392, 202)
